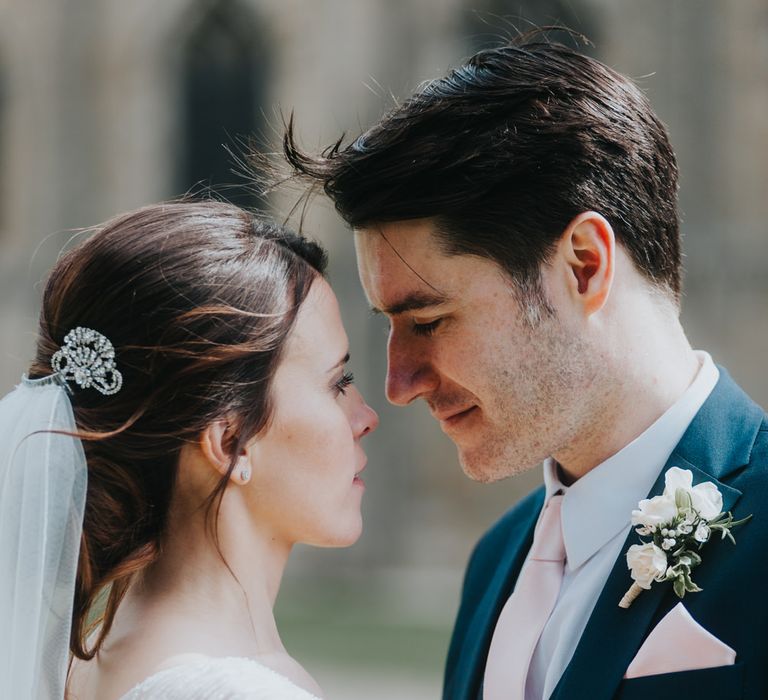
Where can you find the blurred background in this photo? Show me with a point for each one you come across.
(106, 105)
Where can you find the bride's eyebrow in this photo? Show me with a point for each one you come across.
(343, 361)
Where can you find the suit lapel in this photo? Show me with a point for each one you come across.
(471, 664)
(613, 635)
(717, 442)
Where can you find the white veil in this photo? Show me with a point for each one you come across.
(42, 497)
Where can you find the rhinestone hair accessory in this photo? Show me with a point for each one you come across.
(88, 358)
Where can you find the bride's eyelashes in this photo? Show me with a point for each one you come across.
(340, 386)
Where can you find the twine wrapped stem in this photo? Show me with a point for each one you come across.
(630, 595)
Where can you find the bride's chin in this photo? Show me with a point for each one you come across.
(343, 537)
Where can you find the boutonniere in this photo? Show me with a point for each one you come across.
(679, 522)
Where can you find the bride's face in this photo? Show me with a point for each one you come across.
(305, 485)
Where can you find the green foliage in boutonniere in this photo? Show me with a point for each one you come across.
(679, 523)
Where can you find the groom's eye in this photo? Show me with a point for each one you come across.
(426, 328)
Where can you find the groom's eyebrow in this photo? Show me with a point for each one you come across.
(412, 302)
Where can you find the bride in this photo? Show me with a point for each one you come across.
(198, 355)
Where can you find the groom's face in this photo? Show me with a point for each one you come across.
(499, 386)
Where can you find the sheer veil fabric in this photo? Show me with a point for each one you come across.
(43, 478)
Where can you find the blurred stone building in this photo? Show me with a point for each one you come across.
(106, 105)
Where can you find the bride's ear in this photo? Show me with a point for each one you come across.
(214, 444)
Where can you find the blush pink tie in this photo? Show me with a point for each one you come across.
(527, 610)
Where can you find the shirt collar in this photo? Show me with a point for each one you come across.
(590, 520)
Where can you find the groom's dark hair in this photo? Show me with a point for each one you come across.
(504, 151)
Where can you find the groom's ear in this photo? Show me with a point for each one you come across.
(216, 443)
(588, 248)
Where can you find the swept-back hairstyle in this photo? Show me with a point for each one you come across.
(504, 151)
(198, 299)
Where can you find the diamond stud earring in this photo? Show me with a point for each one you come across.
(245, 475)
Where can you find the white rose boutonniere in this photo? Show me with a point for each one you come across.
(679, 522)
(648, 563)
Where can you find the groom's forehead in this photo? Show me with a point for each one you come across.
(401, 270)
(413, 248)
(401, 239)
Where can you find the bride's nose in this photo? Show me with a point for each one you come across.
(365, 420)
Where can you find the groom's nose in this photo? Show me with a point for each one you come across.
(410, 374)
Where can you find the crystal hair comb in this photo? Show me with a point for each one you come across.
(88, 358)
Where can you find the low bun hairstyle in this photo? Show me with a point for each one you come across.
(198, 299)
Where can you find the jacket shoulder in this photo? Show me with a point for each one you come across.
(485, 555)
(510, 531)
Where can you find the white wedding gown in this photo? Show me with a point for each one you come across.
(208, 678)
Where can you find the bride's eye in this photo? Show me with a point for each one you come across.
(426, 328)
(344, 381)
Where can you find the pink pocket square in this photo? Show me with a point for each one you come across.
(679, 643)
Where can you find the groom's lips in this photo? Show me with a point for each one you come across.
(452, 419)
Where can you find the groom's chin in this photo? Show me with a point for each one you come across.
(486, 466)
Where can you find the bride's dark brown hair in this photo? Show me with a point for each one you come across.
(198, 299)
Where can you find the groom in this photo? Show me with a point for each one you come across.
(516, 222)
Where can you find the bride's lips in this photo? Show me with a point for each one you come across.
(357, 480)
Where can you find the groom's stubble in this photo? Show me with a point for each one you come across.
(528, 372)
(540, 382)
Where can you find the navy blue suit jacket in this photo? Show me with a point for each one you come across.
(726, 443)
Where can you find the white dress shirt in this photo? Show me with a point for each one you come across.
(596, 513)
